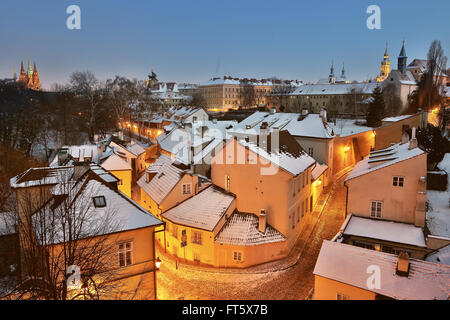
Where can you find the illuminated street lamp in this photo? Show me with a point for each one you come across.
(158, 263)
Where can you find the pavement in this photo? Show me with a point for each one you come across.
(288, 278)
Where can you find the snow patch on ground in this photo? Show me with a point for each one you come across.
(438, 215)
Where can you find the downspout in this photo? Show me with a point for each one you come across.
(346, 199)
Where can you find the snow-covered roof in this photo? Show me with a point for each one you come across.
(41, 176)
(135, 148)
(165, 179)
(119, 214)
(114, 163)
(205, 136)
(290, 156)
(440, 256)
(348, 127)
(350, 264)
(335, 88)
(397, 232)
(310, 125)
(383, 158)
(103, 174)
(178, 112)
(318, 170)
(83, 151)
(397, 118)
(241, 229)
(202, 211)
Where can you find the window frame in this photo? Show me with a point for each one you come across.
(183, 192)
(398, 181)
(124, 252)
(239, 254)
(378, 207)
(196, 237)
(94, 199)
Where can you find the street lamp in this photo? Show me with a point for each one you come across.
(157, 262)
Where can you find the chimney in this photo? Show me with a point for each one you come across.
(323, 114)
(405, 137)
(214, 120)
(149, 176)
(413, 141)
(402, 265)
(304, 112)
(79, 168)
(262, 221)
(273, 110)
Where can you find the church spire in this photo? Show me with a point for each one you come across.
(386, 54)
(331, 77)
(402, 58)
(343, 71)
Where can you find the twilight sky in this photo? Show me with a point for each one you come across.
(185, 41)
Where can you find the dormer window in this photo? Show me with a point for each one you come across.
(186, 188)
(99, 202)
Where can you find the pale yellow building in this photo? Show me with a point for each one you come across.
(121, 169)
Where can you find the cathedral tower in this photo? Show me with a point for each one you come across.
(385, 66)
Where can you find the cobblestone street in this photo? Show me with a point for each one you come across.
(294, 281)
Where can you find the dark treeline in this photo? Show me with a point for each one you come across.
(35, 123)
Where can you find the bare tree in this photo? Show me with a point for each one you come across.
(91, 93)
(62, 232)
(429, 92)
(247, 94)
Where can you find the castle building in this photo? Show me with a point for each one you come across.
(30, 77)
(385, 66)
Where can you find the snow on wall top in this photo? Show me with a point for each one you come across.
(242, 230)
(349, 264)
(203, 211)
(385, 230)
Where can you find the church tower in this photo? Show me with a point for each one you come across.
(331, 77)
(385, 66)
(29, 77)
(36, 82)
(343, 72)
(402, 58)
(23, 74)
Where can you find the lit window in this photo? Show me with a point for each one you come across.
(237, 255)
(227, 182)
(99, 202)
(125, 253)
(186, 188)
(398, 181)
(375, 210)
(196, 237)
